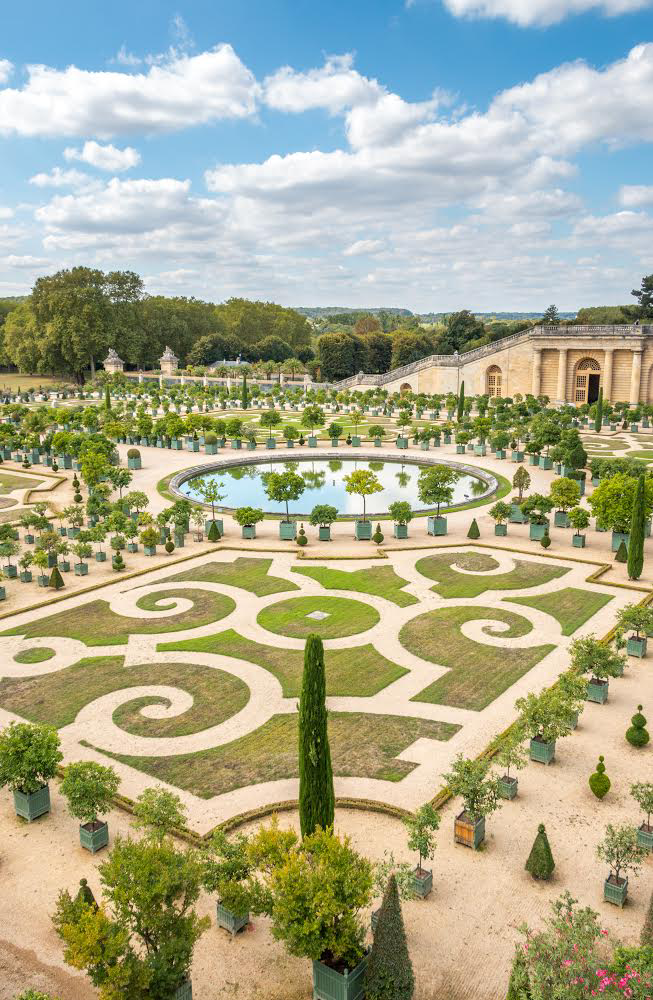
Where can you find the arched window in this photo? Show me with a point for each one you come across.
(494, 381)
(587, 381)
(406, 387)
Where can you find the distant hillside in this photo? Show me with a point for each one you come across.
(320, 312)
(488, 317)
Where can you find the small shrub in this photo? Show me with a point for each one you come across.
(545, 541)
(133, 453)
(378, 535)
(473, 530)
(301, 537)
(78, 497)
(118, 561)
(169, 546)
(637, 735)
(540, 861)
(214, 532)
(56, 579)
(599, 781)
(622, 553)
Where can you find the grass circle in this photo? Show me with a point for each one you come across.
(35, 655)
(345, 617)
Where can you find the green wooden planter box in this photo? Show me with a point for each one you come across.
(289, 444)
(500, 453)
(335, 442)
(363, 530)
(149, 550)
(11, 572)
(42, 580)
(94, 840)
(597, 691)
(31, 805)
(192, 445)
(402, 442)
(447, 438)
(618, 537)
(578, 541)
(64, 566)
(324, 533)
(480, 450)
(545, 462)
(613, 893)
(501, 530)
(507, 787)
(251, 445)
(517, 456)
(237, 444)
(81, 569)
(211, 449)
(331, 985)
(218, 520)
(100, 557)
(132, 546)
(377, 442)
(179, 539)
(542, 752)
(460, 449)
(633, 428)
(270, 443)
(312, 442)
(645, 836)
(436, 525)
(230, 921)
(134, 463)
(469, 833)
(533, 459)
(537, 531)
(184, 992)
(422, 882)
(248, 531)
(424, 445)
(26, 576)
(517, 515)
(561, 519)
(636, 646)
(400, 531)
(287, 531)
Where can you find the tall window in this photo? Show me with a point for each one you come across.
(494, 380)
(586, 370)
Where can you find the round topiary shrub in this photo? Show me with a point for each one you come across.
(210, 438)
(637, 735)
(170, 546)
(78, 498)
(301, 537)
(599, 781)
(545, 541)
(378, 535)
(133, 453)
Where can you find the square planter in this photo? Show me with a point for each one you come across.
(402, 442)
(312, 442)
(480, 450)
(561, 519)
(400, 531)
(615, 891)
(11, 572)
(500, 453)
(545, 462)
(270, 444)
(517, 456)
(533, 459)
(447, 438)
(541, 751)
(31, 805)
(42, 580)
(81, 569)
(436, 525)
(73, 532)
(149, 550)
(26, 576)
(507, 787)
(636, 646)
(94, 836)
(335, 442)
(501, 530)
(469, 832)
(422, 882)
(517, 516)
(210, 449)
(132, 546)
(324, 533)
(618, 537)
(230, 921)
(537, 531)
(460, 449)
(363, 530)
(290, 443)
(179, 539)
(251, 445)
(236, 444)
(424, 445)
(645, 836)
(470, 446)
(287, 531)
(218, 520)
(578, 541)
(377, 442)
(331, 985)
(192, 445)
(29, 539)
(100, 557)
(597, 691)
(184, 992)
(249, 531)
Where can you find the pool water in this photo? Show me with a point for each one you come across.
(243, 485)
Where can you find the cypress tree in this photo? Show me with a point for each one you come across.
(389, 973)
(637, 526)
(461, 402)
(56, 579)
(244, 399)
(540, 861)
(598, 420)
(473, 530)
(622, 553)
(316, 796)
(107, 397)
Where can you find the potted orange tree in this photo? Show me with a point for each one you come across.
(29, 756)
(642, 792)
(591, 656)
(639, 620)
(90, 788)
(621, 851)
(470, 779)
(421, 828)
(545, 717)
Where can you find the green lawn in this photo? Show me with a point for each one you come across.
(249, 574)
(57, 698)
(449, 583)
(361, 746)
(359, 672)
(35, 655)
(345, 617)
(96, 625)
(569, 606)
(477, 673)
(10, 481)
(380, 581)
(645, 455)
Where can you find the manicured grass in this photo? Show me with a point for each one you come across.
(249, 574)
(96, 625)
(359, 672)
(9, 481)
(57, 698)
(477, 673)
(36, 655)
(381, 581)
(645, 455)
(22, 382)
(361, 746)
(450, 583)
(571, 607)
(345, 617)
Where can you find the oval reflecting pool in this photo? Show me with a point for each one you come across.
(244, 485)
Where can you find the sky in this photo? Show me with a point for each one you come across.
(428, 154)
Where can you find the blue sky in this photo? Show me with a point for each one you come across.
(435, 154)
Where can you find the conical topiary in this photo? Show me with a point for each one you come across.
(622, 552)
(599, 781)
(389, 972)
(85, 894)
(637, 735)
(214, 533)
(378, 535)
(473, 530)
(540, 861)
(56, 579)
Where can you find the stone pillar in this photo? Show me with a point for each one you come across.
(635, 377)
(160, 381)
(608, 359)
(228, 383)
(205, 381)
(561, 391)
(140, 379)
(282, 378)
(536, 385)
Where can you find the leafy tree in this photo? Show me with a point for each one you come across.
(421, 829)
(270, 419)
(544, 716)
(35, 995)
(511, 753)
(521, 481)
(599, 781)
(579, 519)
(323, 515)
(469, 779)
(644, 296)
(316, 795)
(401, 512)
(246, 516)
(540, 861)
(564, 493)
(637, 532)
(410, 346)
(29, 756)
(537, 507)
(591, 656)
(500, 512)
(340, 355)
(551, 317)
(140, 943)
(613, 500)
(378, 352)
(313, 416)
(620, 851)
(635, 617)
(435, 485)
(160, 812)
(461, 328)
(642, 792)
(363, 483)
(389, 973)
(89, 788)
(282, 487)
(637, 733)
(208, 491)
(473, 530)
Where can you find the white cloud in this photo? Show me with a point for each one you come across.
(6, 212)
(25, 262)
(61, 178)
(363, 247)
(540, 12)
(181, 92)
(6, 69)
(335, 87)
(635, 195)
(125, 58)
(104, 157)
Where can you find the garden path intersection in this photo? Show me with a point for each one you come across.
(401, 635)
